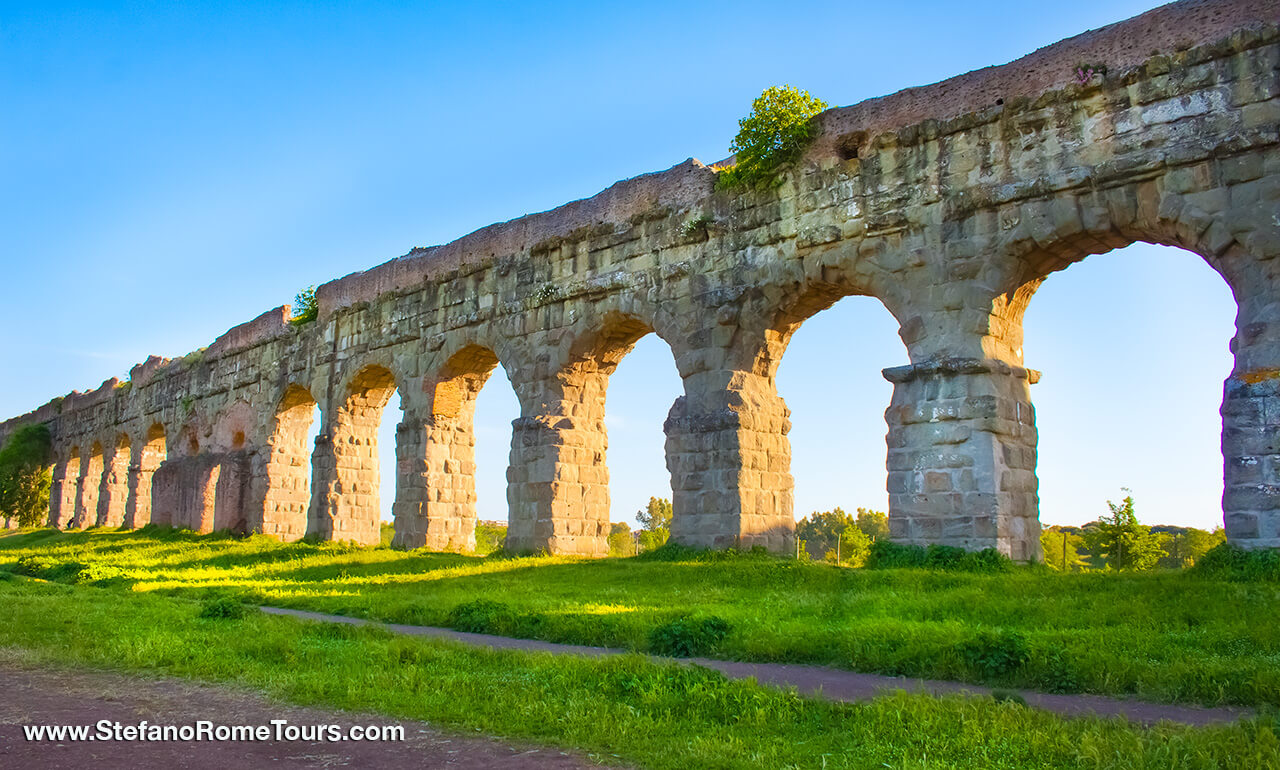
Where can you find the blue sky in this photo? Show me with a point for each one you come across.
(172, 170)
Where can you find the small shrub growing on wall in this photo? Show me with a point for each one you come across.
(777, 131)
(305, 307)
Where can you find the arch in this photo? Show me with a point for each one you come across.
(114, 491)
(1250, 502)
(64, 492)
(559, 479)
(148, 454)
(346, 506)
(186, 442)
(233, 428)
(435, 503)
(287, 474)
(90, 484)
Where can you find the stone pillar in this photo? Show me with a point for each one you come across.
(1251, 459)
(345, 505)
(435, 503)
(62, 494)
(283, 487)
(558, 483)
(730, 464)
(185, 492)
(1251, 417)
(88, 486)
(962, 456)
(146, 459)
(113, 495)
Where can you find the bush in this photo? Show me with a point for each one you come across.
(777, 131)
(305, 308)
(995, 654)
(483, 616)
(223, 608)
(688, 637)
(1232, 562)
(884, 554)
(33, 566)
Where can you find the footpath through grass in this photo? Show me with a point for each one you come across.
(1166, 636)
(641, 713)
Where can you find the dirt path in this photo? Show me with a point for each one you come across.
(43, 697)
(833, 683)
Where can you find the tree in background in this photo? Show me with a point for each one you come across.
(26, 476)
(835, 536)
(1057, 541)
(1121, 541)
(620, 541)
(1183, 546)
(490, 536)
(874, 523)
(655, 521)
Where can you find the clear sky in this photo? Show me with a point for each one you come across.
(171, 170)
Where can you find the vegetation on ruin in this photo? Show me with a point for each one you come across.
(25, 475)
(658, 715)
(776, 132)
(1185, 636)
(305, 308)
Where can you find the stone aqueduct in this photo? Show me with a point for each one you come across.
(949, 203)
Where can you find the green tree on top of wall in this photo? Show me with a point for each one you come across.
(776, 132)
(305, 308)
(1121, 541)
(26, 476)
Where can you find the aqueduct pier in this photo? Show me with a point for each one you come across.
(949, 203)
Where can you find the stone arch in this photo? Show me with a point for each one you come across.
(90, 484)
(114, 491)
(234, 429)
(186, 442)
(435, 504)
(558, 490)
(287, 473)
(64, 493)
(148, 454)
(962, 427)
(346, 505)
(1229, 242)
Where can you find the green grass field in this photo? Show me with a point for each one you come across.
(627, 710)
(1165, 636)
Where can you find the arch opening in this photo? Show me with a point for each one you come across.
(348, 507)
(288, 473)
(630, 382)
(1130, 401)
(114, 493)
(826, 359)
(66, 488)
(453, 460)
(148, 456)
(90, 488)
